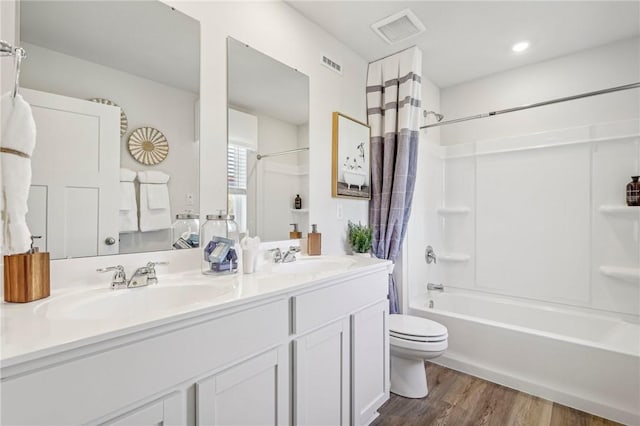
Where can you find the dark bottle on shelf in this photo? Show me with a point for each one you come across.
(297, 204)
(633, 192)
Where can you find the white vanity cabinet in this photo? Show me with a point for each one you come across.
(341, 352)
(321, 376)
(123, 380)
(370, 361)
(314, 354)
(169, 411)
(254, 392)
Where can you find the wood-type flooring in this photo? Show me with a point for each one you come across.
(458, 399)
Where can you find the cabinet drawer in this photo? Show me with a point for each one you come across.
(317, 307)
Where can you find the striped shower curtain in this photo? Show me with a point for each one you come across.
(393, 110)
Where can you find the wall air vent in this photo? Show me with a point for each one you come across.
(398, 27)
(331, 64)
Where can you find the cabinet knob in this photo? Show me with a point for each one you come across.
(109, 241)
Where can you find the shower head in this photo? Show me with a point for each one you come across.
(439, 117)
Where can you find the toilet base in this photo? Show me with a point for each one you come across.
(408, 377)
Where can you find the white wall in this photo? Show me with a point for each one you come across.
(146, 103)
(539, 223)
(278, 179)
(603, 67)
(535, 183)
(275, 29)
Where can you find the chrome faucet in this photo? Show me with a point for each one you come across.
(140, 278)
(432, 286)
(119, 279)
(143, 276)
(290, 255)
(277, 255)
(286, 257)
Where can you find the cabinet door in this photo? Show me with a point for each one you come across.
(321, 376)
(169, 411)
(254, 392)
(369, 362)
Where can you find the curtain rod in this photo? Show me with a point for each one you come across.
(274, 154)
(535, 105)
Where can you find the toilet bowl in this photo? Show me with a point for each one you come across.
(413, 340)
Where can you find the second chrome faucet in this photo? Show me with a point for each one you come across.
(142, 276)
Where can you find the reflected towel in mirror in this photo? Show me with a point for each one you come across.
(128, 214)
(155, 208)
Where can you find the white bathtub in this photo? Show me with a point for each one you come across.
(578, 358)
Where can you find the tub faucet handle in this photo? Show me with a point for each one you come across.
(430, 255)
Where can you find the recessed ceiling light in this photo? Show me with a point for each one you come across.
(520, 47)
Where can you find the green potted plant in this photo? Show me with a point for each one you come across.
(360, 237)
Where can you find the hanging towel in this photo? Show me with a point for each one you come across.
(153, 177)
(158, 196)
(128, 217)
(155, 208)
(17, 143)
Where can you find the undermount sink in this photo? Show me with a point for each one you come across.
(313, 265)
(105, 303)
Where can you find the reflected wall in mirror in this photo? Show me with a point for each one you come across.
(268, 154)
(142, 56)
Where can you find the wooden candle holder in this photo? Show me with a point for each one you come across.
(26, 277)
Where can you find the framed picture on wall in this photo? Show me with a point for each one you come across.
(351, 165)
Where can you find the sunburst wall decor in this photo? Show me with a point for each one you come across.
(148, 145)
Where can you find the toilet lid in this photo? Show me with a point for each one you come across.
(415, 328)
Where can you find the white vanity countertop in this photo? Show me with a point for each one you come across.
(76, 316)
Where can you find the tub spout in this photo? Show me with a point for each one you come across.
(432, 286)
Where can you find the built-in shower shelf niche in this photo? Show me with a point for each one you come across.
(454, 257)
(627, 274)
(620, 210)
(450, 211)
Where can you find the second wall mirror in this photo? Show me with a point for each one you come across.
(268, 144)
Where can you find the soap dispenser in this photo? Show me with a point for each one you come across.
(314, 241)
(26, 275)
(295, 234)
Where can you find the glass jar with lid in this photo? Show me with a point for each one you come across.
(220, 241)
(185, 231)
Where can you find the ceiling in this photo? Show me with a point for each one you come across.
(131, 36)
(465, 40)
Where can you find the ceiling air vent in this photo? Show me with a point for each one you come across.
(332, 65)
(398, 27)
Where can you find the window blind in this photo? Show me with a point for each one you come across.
(237, 169)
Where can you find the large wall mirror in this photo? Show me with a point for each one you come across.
(87, 196)
(268, 146)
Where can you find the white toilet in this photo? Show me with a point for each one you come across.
(413, 340)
